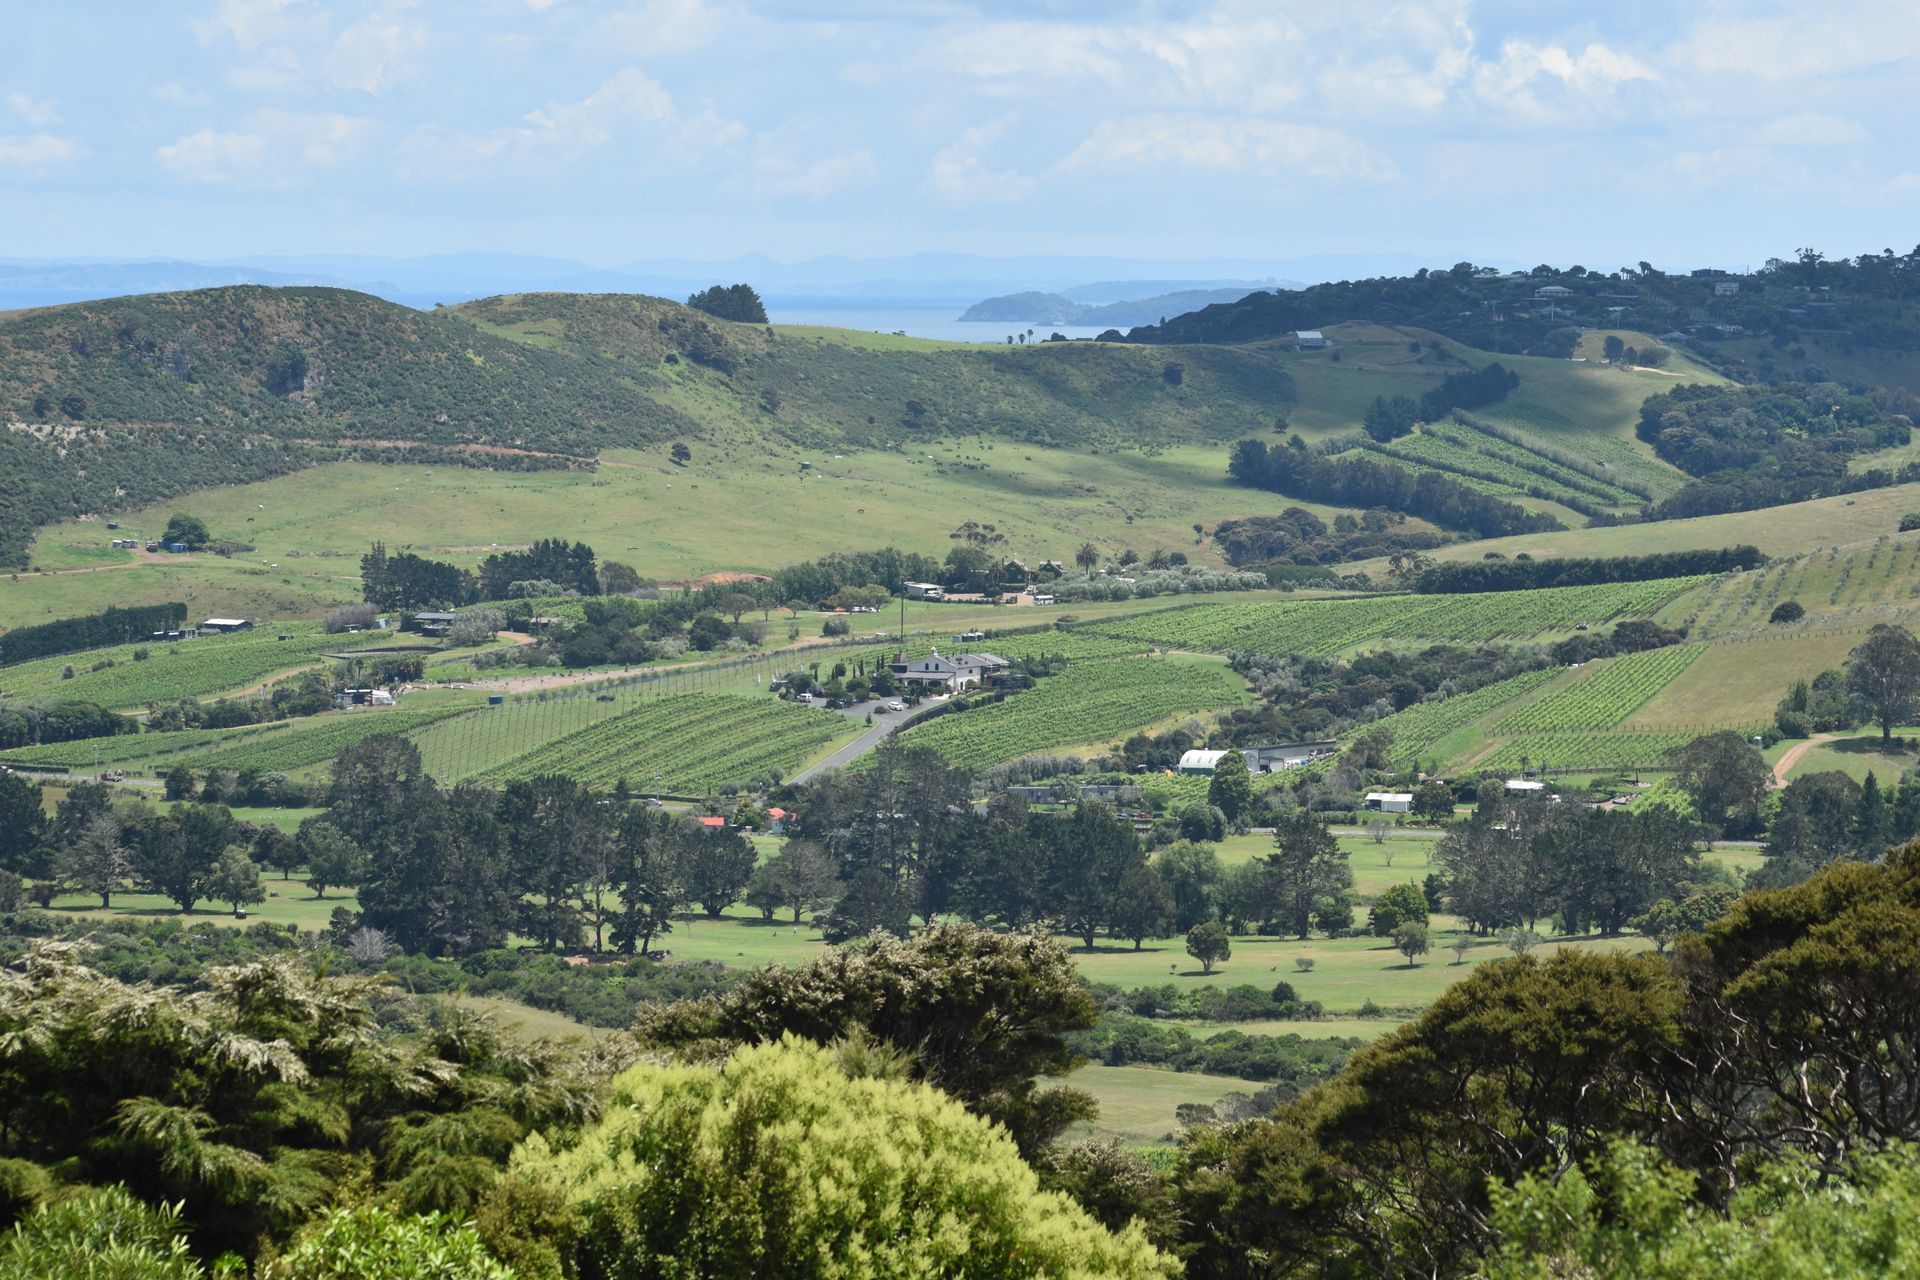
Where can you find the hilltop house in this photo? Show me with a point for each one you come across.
(1310, 339)
(1553, 291)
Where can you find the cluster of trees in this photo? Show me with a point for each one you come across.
(1705, 429)
(90, 631)
(1363, 482)
(1590, 1112)
(1304, 698)
(1500, 574)
(26, 722)
(1753, 446)
(1390, 417)
(1298, 537)
(738, 302)
(1517, 863)
(1880, 683)
(1782, 1034)
(1631, 635)
(549, 567)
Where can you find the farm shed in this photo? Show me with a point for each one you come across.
(1390, 801)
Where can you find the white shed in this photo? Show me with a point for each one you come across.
(1390, 801)
(1525, 786)
(1200, 761)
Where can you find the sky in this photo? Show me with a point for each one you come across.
(1707, 133)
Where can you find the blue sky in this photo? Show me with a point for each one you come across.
(607, 132)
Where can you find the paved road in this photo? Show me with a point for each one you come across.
(885, 725)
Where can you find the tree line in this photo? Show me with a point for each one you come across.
(1363, 482)
(113, 625)
(1460, 576)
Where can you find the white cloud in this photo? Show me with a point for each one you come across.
(630, 113)
(1811, 129)
(1238, 145)
(38, 112)
(1827, 40)
(365, 56)
(36, 153)
(175, 94)
(778, 173)
(1525, 70)
(252, 23)
(277, 149)
(667, 26)
(959, 172)
(206, 156)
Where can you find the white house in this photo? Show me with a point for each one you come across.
(1390, 801)
(956, 672)
(1524, 786)
(1310, 339)
(1553, 291)
(1726, 288)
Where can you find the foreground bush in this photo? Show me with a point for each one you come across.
(780, 1164)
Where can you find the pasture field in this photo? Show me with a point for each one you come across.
(1091, 702)
(1137, 1104)
(1738, 683)
(1332, 626)
(1856, 755)
(199, 668)
(744, 504)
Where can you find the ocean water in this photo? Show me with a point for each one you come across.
(918, 321)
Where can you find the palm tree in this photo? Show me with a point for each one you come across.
(1087, 557)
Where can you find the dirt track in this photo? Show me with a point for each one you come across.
(1784, 765)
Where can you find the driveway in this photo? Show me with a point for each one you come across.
(885, 725)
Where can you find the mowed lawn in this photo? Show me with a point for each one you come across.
(289, 902)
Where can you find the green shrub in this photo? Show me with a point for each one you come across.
(369, 1243)
(780, 1164)
(106, 1234)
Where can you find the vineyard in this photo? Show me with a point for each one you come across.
(1330, 626)
(322, 740)
(1425, 725)
(1576, 750)
(278, 747)
(683, 743)
(199, 668)
(129, 747)
(1854, 586)
(1091, 702)
(1612, 692)
(1497, 466)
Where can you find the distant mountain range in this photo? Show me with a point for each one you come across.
(1073, 307)
(929, 279)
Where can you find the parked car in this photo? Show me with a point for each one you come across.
(896, 706)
